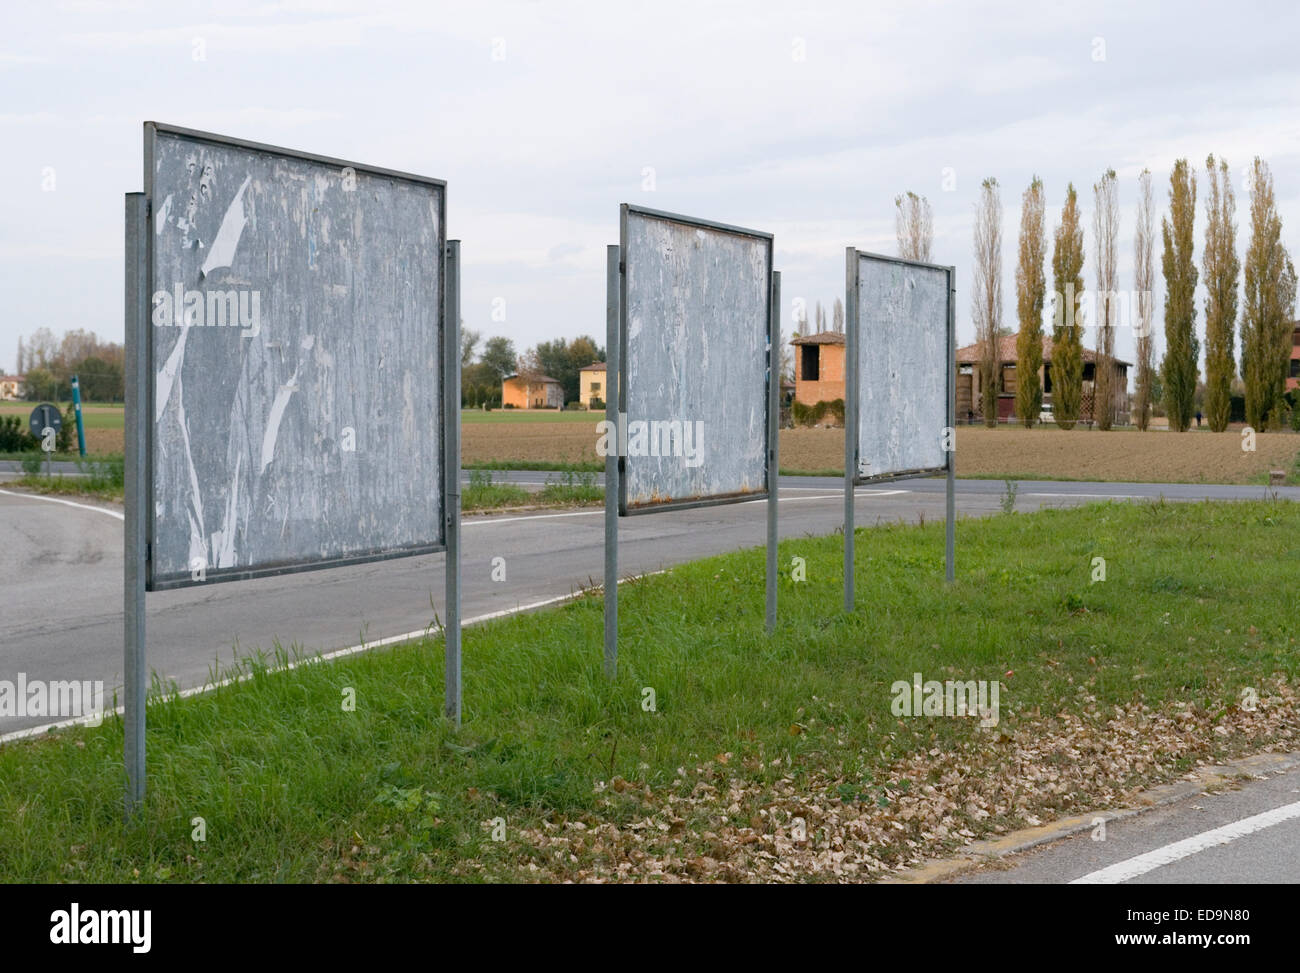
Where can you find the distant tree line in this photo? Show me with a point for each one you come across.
(1262, 312)
(482, 373)
(48, 363)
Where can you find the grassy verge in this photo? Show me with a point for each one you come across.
(826, 472)
(718, 752)
(568, 490)
(102, 480)
(535, 466)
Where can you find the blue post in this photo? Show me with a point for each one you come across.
(76, 405)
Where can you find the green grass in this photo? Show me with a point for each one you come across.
(113, 418)
(569, 490)
(535, 466)
(824, 472)
(103, 481)
(1198, 602)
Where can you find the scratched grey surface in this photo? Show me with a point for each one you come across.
(250, 466)
(902, 366)
(697, 319)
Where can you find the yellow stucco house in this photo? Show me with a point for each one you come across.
(592, 384)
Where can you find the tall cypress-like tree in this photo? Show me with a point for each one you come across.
(1067, 327)
(1105, 230)
(1031, 292)
(1269, 302)
(986, 307)
(1144, 278)
(1179, 265)
(914, 226)
(1221, 268)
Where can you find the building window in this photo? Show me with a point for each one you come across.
(809, 363)
(1295, 367)
(595, 388)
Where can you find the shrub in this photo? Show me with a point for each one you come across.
(810, 415)
(597, 402)
(14, 437)
(66, 437)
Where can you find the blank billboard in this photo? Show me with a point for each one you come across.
(901, 341)
(696, 307)
(295, 348)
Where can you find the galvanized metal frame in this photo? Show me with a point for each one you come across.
(773, 443)
(138, 452)
(613, 457)
(151, 131)
(136, 497)
(616, 406)
(450, 433)
(852, 418)
(624, 210)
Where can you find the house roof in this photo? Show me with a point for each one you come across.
(13, 378)
(970, 354)
(596, 366)
(821, 338)
(543, 379)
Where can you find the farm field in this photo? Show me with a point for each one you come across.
(506, 438)
(1154, 457)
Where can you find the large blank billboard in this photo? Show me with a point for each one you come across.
(899, 321)
(696, 309)
(295, 348)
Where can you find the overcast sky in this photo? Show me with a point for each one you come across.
(804, 120)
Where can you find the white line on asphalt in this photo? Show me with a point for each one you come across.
(490, 521)
(1096, 496)
(1141, 864)
(34, 731)
(69, 503)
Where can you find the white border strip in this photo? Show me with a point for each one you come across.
(1134, 867)
(67, 503)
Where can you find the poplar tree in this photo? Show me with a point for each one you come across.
(1144, 277)
(914, 226)
(1031, 293)
(1105, 231)
(1178, 262)
(1221, 268)
(987, 293)
(1270, 291)
(1067, 327)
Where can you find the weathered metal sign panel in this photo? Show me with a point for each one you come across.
(901, 342)
(696, 307)
(296, 407)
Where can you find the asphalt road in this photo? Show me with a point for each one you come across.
(1249, 836)
(61, 573)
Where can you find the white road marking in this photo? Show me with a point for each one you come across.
(69, 503)
(1096, 496)
(1141, 864)
(488, 521)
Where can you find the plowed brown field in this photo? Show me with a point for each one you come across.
(1080, 454)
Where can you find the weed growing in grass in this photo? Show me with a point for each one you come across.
(1008, 500)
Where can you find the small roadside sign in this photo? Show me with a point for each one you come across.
(45, 424)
